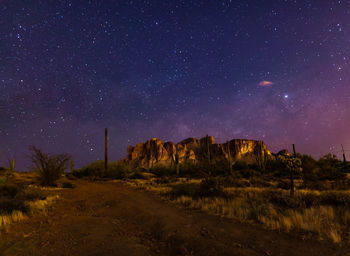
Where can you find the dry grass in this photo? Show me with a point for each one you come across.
(41, 205)
(150, 185)
(45, 188)
(34, 207)
(320, 220)
(16, 216)
(251, 204)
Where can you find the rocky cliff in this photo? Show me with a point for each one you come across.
(155, 151)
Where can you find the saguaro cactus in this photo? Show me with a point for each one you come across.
(11, 163)
(261, 157)
(293, 165)
(229, 155)
(208, 148)
(344, 158)
(292, 174)
(106, 149)
(176, 158)
(71, 165)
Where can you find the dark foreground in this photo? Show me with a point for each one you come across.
(99, 218)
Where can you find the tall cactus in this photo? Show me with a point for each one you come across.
(177, 161)
(261, 157)
(71, 165)
(208, 148)
(229, 155)
(292, 174)
(11, 164)
(106, 150)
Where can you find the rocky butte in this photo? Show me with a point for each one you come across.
(155, 152)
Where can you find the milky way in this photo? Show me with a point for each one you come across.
(273, 70)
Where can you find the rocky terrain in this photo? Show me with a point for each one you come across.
(155, 151)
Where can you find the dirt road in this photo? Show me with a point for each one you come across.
(105, 218)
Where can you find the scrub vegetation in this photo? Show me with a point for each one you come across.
(261, 194)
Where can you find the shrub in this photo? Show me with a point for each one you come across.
(8, 205)
(32, 195)
(283, 184)
(240, 165)
(49, 167)
(220, 166)
(92, 170)
(308, 164)
(330, 167)
(136, 175)
(211, 187)
(285, 201)
(248, 173)
(9, 190)
(117, 170)
(190, 169)
(67, 185)
(162, 170)
(184, 189)
(15, 198)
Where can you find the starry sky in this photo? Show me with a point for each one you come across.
(273, 70)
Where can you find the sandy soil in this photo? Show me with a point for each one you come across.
(106, 218)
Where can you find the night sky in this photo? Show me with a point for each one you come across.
(270, 70)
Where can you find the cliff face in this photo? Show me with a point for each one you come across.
(154, 151)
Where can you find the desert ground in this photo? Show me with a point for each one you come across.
(114, 218)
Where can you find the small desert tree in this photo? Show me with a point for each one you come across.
(49, 167)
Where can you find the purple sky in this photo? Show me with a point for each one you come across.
(273, 70)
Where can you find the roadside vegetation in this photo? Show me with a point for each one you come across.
(295, 194)
(24, 194)
(261, 194)
(19, 200)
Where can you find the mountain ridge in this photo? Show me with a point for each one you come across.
(154, 151)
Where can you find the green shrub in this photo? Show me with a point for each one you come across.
(257, 181)
(211, 187)
(219, 167)
(116, 170)
(136, 175)
(308, 164)
(335, 199)
(190, 169)
(283, 184)
(67, 185)
(330, 167)
(9, 190)
(31, 194)
(94, 169)
(235, 182)
(184, 189)
(285, 201)
(3, 180)
(8, 205)
(276, 168)
(162, 170)
(248, 173)
(240, 165)
(14, 197)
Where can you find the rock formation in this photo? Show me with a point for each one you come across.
(154, 152)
